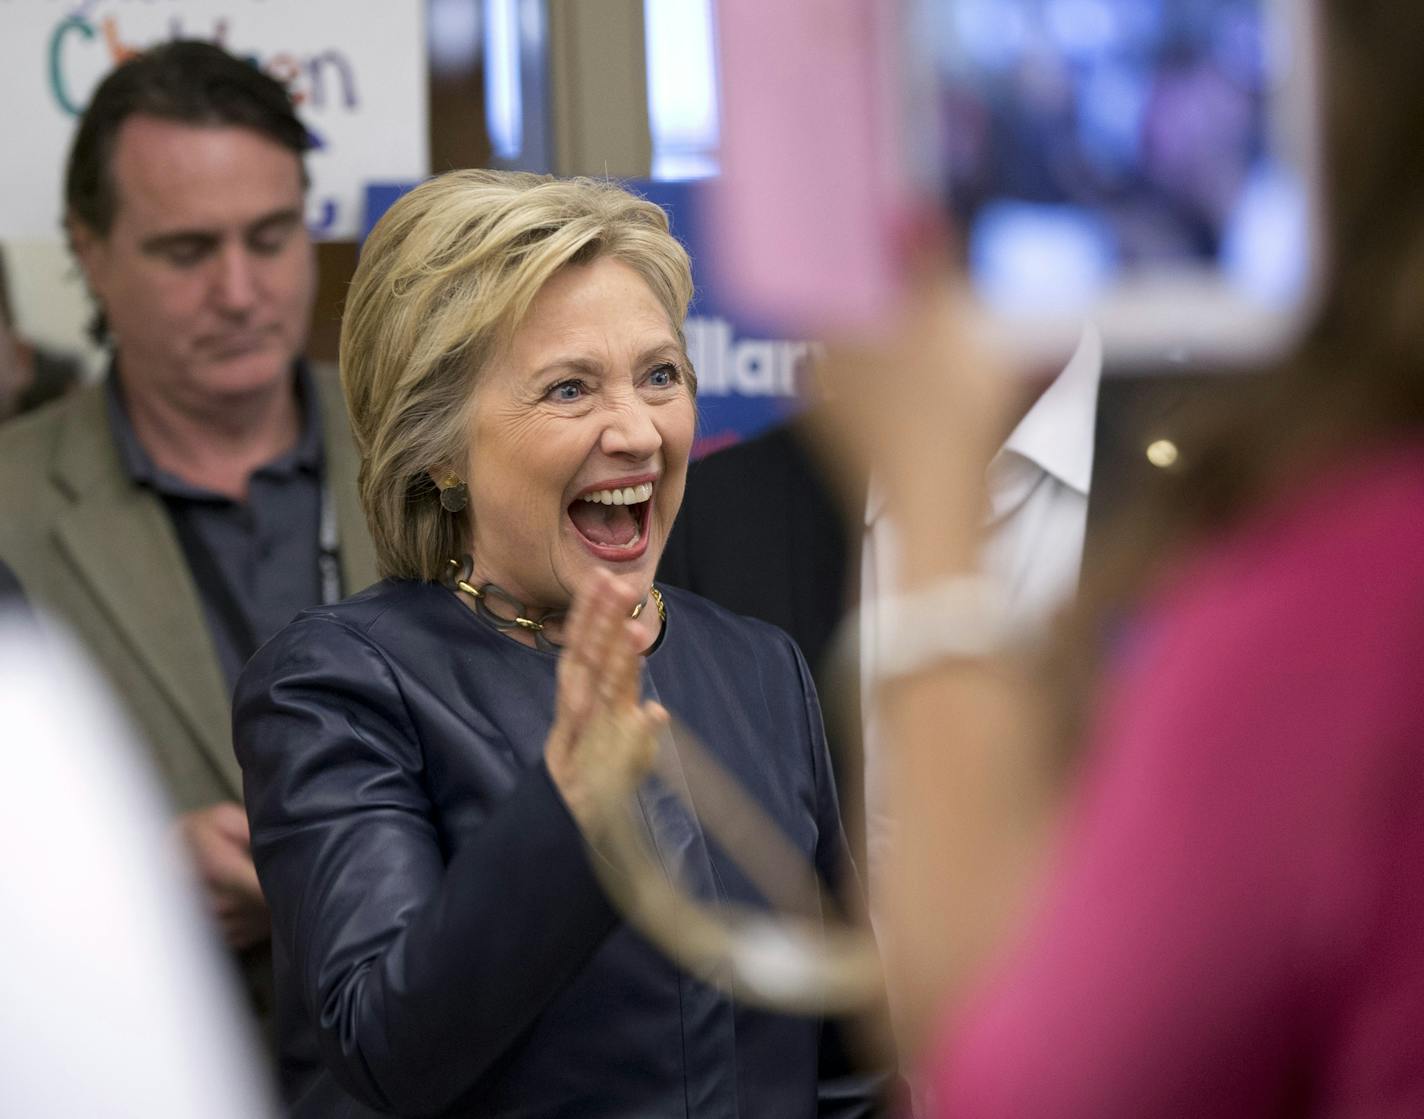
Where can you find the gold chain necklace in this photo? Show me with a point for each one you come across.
(487, 593)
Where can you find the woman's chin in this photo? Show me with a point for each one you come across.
(636, 574)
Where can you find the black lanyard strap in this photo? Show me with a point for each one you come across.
(328, 558)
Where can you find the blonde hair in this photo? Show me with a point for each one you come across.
(445, 278)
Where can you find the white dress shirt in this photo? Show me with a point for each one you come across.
(1038, 513)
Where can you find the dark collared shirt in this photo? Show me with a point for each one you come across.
(265, 550)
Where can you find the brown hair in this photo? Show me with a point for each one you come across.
(445, 277)
(184, 80)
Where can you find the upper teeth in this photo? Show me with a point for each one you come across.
(628, 495)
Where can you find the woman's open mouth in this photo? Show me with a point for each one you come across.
(613, 521)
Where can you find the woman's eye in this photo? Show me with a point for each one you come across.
(663, 376)
(566, 391)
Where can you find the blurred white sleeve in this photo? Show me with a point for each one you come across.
(114, 999)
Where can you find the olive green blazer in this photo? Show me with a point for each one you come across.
(99, 554)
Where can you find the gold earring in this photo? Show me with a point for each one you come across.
(454, 494)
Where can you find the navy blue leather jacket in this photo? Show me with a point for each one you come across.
(441, 944)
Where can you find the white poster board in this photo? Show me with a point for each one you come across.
(357, 72)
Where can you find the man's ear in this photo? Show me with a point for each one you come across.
(91, 251)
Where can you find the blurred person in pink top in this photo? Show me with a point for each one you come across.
(1186, 879)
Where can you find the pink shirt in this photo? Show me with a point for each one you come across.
(1235, 922)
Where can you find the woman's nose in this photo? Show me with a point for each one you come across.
(630, 431)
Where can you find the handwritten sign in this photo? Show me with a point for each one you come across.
(356, 72)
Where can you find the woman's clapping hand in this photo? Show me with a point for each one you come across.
(603, 740)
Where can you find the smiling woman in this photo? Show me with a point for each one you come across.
(424, 771)
(587, 400)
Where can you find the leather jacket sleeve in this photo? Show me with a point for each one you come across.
(420, 965)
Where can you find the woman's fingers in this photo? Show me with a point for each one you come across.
(599, 665)
(593, 623)
(618, 674)
(598, 674)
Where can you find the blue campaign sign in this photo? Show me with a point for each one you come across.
(380, 197)
(748, 378)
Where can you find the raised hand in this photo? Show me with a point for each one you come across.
(921, 407)
(603, 739)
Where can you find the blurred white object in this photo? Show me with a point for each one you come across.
(1038, 488)
(113, 997)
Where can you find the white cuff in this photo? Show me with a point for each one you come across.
(962, 617)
